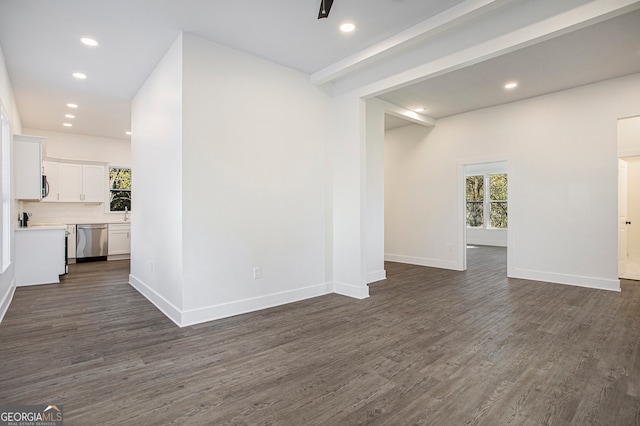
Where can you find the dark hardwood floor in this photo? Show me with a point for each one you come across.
(429, 347)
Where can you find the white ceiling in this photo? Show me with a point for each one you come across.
(599, 52)
(40, 42)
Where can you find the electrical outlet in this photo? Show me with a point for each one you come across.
(450, 247)
(257, 273)
(152, 266)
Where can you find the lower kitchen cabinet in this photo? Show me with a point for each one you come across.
(120, 239)
(39, 255)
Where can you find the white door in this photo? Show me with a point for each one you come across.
(622, 217)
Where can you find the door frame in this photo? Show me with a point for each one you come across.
(625, 151)
(622, 195)
(461, 252)
(622, 261)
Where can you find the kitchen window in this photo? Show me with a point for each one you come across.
(487, 201)
(119, 189)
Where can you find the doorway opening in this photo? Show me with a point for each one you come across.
(629, 198)
(629, 218)
(486, 197)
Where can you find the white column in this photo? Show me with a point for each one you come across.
(349, 196)
(374, 225)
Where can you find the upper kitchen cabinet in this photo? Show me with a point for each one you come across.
(74, 182)
(93, 183)
(27, 151)
(70, 184)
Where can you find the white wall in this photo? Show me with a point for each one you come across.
(633, 206)
(562, 155)
(374, 227)
(156, 161)
(418, 177)
(629, 137)
(59, 145)
(487, 237)
(254, 179)
(230, 175)
(7, 100)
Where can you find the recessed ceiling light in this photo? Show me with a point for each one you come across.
(89, 41)
(347, 27)
(67, 124)
(79, 75)
(512, 85)
(70, 116)
(128, 133)
(72, 105)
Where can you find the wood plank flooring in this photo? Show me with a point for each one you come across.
(429, 347)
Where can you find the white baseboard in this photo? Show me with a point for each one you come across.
(209, 313)
(374, 276)
(39, 283)
(166, 307)
(214, 312)
(357, 292)
(575, 280)
(7, 298)
(423, 261)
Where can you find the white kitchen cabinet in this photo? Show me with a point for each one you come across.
(119, 239)
(75, 182)
(27, 151)
(39, 255)
(93, 183)
(70, 185)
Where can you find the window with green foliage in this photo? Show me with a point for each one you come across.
(498, 200)
(120, 189)
(475, 201)
(487, 201)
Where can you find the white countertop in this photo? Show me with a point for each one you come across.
(83, 222)
(42, 227)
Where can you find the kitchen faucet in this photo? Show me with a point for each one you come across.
(126, 211)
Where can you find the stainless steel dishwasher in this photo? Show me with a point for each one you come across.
(91, 242)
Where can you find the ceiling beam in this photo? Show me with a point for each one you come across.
(580, 17)
(406, 114)
(456, 15)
